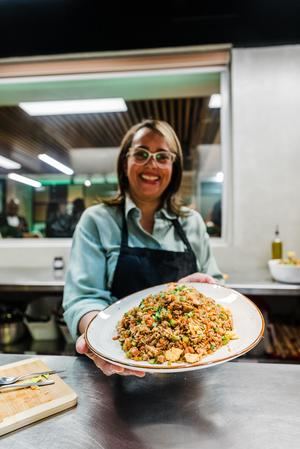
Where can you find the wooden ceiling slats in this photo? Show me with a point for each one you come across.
(179, 119)
(156, 110)
(200, 125)
(21, 135)
(114, 131)
(61, 138)
(217, 139)
(172, 112)
(83, 135)
(148, 109)
(191, 118)
(187, 119)
(193, 121)
(131, 113)
(164, 110)
(102, 126)
(139, 110)
(121, 122)
(92, 129)
(212, 125)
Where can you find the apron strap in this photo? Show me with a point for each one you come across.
(124, 230)
(185, 240)
(182, 234)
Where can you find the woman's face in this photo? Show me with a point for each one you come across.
(147, 182)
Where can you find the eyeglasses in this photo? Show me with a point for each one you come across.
(142, 156)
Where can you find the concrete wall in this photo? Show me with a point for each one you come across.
(266, 162)
(266, 154)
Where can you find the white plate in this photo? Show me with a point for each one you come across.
(248, 324)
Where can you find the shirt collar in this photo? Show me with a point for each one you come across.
(130, 205)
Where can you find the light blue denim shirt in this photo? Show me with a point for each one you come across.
(96, 247)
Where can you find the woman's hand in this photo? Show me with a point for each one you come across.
(198, 277)
(107, 368)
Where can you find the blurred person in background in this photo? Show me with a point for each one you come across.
(12, 224)
(58, 222)
(78, 207)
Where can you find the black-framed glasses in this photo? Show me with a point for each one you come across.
(141, 156)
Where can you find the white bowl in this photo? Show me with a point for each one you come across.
(289, 274)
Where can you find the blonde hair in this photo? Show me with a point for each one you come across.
(170, 195)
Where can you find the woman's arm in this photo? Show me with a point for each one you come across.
(85, 288)
(86, 292)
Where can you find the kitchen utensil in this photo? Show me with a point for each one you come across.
(26, 385)
(12, 328)
(20, 407)
(7, 380)
(11, 332)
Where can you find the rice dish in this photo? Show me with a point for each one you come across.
(179, 324)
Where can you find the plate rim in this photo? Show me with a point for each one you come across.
(156, 367)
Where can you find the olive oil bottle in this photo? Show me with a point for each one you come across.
(277, 245)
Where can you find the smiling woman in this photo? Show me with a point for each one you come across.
(140, 238)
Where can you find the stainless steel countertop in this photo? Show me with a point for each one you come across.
(43, 280)
(260, 282)
(30, 279)
(230, 406)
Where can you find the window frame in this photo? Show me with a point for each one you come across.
(180, 60)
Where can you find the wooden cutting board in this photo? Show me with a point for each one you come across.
(19, 408)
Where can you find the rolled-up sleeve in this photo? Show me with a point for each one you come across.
(86, 279)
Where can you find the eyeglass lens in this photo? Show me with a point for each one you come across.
(142, 156)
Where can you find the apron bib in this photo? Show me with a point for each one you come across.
(141, 268)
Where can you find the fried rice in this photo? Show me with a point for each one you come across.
(179, 324)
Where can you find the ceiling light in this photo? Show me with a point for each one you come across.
(215, 101)
(54, 163)
(24, 180)
(9, 164)
(74, 106)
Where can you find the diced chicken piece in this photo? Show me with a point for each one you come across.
(196, 301)
(134, 352)
(161, 359)
(173, 354)
(151, 350)
(192, 358)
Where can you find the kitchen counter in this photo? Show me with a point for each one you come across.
(229, 406)
(43, 280)
(260, 283)
(30, 279)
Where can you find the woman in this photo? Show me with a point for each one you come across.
(140, 239)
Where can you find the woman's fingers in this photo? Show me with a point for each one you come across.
(198, 277)
(81, 345)
(107, 368)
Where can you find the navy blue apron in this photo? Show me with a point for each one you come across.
(140, 268)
